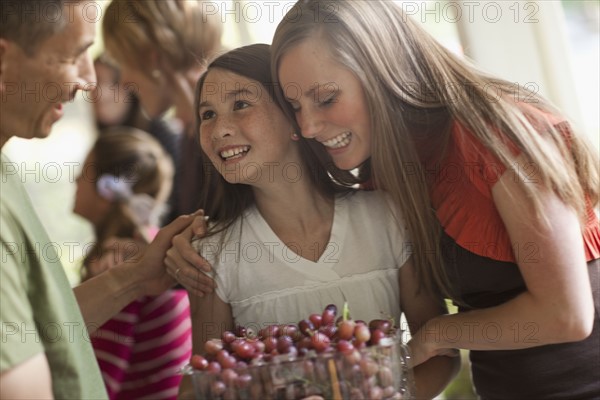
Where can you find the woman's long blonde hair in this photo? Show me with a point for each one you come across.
(184, 33)
(409, 81)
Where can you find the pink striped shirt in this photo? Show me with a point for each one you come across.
(141, 349)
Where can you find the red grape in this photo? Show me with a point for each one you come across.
(213, 346)
(291, 331)
(227, 337)
(346, 329)
(316, 320)
(386, 377)
(320, 342)
(329, 314)
(383, 324)
(214, 367)
(236, 343)
(306, 327)
(228, 376)
(199, 362)
(353, 357)
(271, 330)
(240, 331)
(232, 360)
(376, 336)
(329, 330)
(305, 342)
(259, 346)
(218, 388)
(245, 350)
(284, 343)
(368, 367)
(362, 333)
(270, 344)
(223, 357)
(344, 347)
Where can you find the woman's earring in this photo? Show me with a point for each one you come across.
(156, 73)
(295, 137)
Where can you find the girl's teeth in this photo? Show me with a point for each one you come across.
(338, 141)
(234, 152)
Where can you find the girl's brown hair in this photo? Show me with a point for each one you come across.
(225, 202)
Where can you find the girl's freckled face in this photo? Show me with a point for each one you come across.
(242, 130)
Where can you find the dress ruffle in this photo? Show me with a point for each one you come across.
(466, 211)
(591, 236)
(462, 197)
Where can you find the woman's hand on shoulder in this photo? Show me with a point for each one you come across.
(184, 263)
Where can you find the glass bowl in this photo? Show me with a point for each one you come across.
(376, 372)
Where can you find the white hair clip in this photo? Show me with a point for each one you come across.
(114, 188)
(143, 208)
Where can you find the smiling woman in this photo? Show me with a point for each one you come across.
(429, 111)
(328, 93)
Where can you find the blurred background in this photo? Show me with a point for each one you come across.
(549, 46)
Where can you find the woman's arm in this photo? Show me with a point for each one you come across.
(557, 306)
(210, 316)
(432, 376)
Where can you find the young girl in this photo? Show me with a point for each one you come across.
(284, 240)
(122, 190)
(496, 189)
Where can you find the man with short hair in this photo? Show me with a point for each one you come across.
(45, 325)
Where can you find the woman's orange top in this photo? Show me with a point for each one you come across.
(461, 194)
